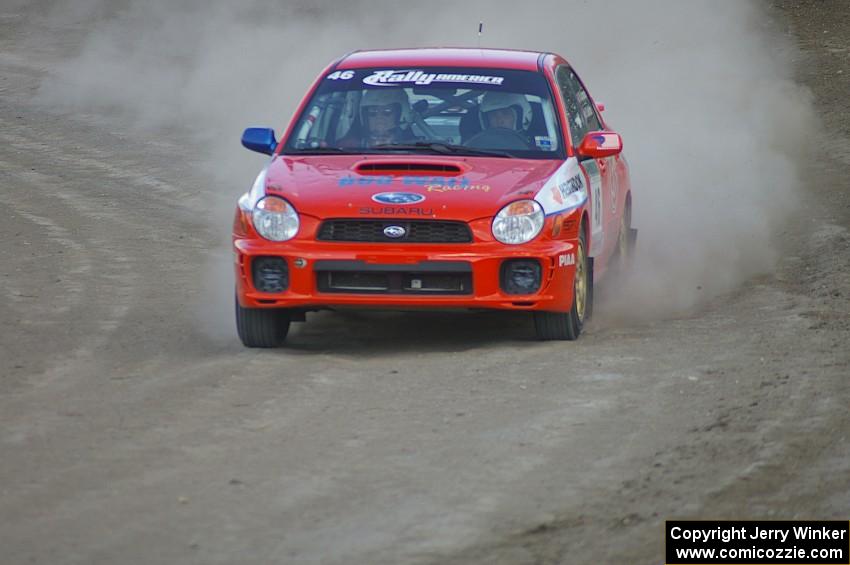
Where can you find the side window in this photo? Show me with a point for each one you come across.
(586, 106)
(581, 114)
(575, 118)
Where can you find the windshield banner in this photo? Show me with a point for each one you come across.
(393, 77)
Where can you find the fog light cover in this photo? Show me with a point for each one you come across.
(520, 276)
(271, 274)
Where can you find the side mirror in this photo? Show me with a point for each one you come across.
(600, 106)
(600, 144)
(261, 140)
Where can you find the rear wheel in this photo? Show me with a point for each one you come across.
(261, 327)
(568, 325)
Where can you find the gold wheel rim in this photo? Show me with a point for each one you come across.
(580, 283)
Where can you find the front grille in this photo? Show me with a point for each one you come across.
(428, 277)
(418, 231)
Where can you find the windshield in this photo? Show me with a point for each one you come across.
(466, 111)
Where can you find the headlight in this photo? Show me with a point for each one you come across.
(518, 222)
(275, 219)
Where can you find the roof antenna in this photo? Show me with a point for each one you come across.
(480, 30)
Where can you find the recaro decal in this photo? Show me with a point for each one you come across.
(565, 190)
(392, 77)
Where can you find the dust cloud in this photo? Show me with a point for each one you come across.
(701, 91)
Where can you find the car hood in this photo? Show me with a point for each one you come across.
(461, 188)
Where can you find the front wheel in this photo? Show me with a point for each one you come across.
(568, 325)
(261, 327)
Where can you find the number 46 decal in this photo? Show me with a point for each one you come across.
(341, 75)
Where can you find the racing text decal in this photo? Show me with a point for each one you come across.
(392, 77)
(457, 187)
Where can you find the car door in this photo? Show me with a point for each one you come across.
(600, 173)
(610, 169)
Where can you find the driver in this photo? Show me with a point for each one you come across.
(386, 117)
(505, 110)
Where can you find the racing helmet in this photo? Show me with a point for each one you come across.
(384, 97)
(494, 100)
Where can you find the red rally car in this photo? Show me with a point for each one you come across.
(438, 179)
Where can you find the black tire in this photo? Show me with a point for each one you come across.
(261, 327)
(568, 325)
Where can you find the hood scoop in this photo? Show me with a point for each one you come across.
(407, 167)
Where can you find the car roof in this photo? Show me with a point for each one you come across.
(443, 57)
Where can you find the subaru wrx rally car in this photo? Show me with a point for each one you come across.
(434, 178)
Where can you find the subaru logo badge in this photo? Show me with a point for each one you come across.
(394, 232)
(398, 198)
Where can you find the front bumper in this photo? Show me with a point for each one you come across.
(406, 270)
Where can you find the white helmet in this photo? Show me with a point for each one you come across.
(494, 100)
(384, 97)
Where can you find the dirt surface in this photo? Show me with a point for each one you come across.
(130, 434)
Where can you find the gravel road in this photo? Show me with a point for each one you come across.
(132, 432)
